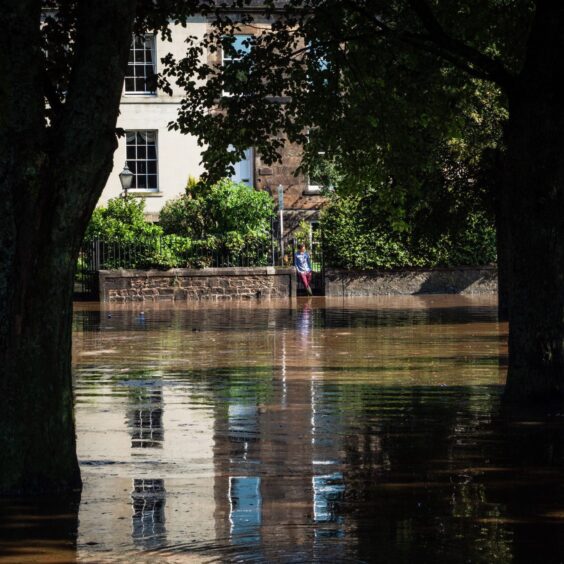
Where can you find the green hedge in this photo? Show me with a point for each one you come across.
(352, 239)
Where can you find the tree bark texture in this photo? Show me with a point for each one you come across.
(50, 180)
(533, 203)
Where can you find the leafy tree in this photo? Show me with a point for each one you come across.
(55, 159)
(397, 76)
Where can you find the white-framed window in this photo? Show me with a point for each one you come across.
(238, 49)
(141, 67)
(314, 185)
(142, 159)
(244, 169)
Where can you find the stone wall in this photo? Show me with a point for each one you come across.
(181, 284)
(460, 280)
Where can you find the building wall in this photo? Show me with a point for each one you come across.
(179, 155)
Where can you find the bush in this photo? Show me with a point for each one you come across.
(352, 238)
(122, 220)
(227, 224)
(223, 209)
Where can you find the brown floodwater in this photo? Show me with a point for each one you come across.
(318, 430)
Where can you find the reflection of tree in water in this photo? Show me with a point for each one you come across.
(409, 490)
(148, 521)
(528, 448)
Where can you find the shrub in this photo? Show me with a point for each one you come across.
(123, 220)
(224, 208)
(227, 224)
(352, 238)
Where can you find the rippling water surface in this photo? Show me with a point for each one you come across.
(313, 431)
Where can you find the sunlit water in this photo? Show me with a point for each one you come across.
(312, 431)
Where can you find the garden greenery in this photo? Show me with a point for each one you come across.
(226, 224)
(231, 222)
(355, 238)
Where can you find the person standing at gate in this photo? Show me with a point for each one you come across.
(302, 262)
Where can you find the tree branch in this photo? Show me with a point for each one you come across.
(470, 57)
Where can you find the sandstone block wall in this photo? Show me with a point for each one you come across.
(180, 284)
(459, 280)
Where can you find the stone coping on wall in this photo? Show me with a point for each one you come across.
(182, 284)
(410, 281)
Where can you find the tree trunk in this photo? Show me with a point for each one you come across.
(37, 435)
(503, 262)
(533, 201)
(50, 181)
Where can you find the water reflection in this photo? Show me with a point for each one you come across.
(145, 418)
(345, 431)
(245, 509)
(148, 520)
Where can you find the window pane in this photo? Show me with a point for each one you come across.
(239, 45)
(138, 145)
(141, 58)
(237, 48)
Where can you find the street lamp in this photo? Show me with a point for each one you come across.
(126, 178)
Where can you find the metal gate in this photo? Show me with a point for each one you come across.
(86, 274)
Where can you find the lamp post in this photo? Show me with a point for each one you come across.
(281, 212)
(126, 178)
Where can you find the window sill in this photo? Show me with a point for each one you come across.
(313, 191)
(145, 193)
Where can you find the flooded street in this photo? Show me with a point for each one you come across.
(355, 430)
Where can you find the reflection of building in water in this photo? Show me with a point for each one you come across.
(148, 520)
(243, 424)
(277, 466)
(115, 426)
(328, 492)
(245, 509)
(328, 487)
(145, 420)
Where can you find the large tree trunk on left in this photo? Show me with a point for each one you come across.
(50, 181)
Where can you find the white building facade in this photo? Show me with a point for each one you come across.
(163, 159)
